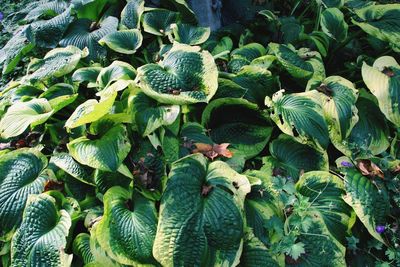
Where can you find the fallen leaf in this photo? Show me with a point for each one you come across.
(368, 168)
(213, 151)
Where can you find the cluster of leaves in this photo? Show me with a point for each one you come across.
(141, 139)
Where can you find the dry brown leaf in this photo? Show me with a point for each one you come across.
(213, 151)
(368, 168)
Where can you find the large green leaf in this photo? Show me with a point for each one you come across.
(131, 14)
(258, 82)
(293, 157)
(56, 63)
(300, 115)
(127, 232)
(105, 152)
(149, 116)
(65, 162)
(369, 136)
(201, 208)
(255, 253)
(158, 21)
(184, 76)
(87, 74)
(89, 9)
(370, 203)
(41, 239)
(21, 115)
(90, 111)
(325, 191)
(321, 249)
(380, 21)
(14, 50)
(188, 16)
(333, 24)
(118, 70)
(339, 97)
(100, 256)
(332, 3)
(383, 80)
(302, 64)
(189, 34)
(244, 55)
(47, 33)
(264, 204)
(81, 248)
(86, 33)
(124, 41)
(45, 8)
(60, 95)
(21, 174)
(247, 132)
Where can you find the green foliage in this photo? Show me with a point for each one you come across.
(132, 136)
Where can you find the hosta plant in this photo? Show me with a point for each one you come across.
(132, 135)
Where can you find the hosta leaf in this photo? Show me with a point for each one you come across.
(321, 249)
(60, 95)
(258, 83)
(333, 24)
(300, 115)
(14, 50)
(88, 74)
(65, 162)
(383, 80)
(247, 132)
(294, 157)
(189, 34)
(201, 207)
(106, 152)
(184, 76)
(339, 97)
(188, 16)
(89, 9)
(47, 33)
(370, 203)
(369, 136)
(244, 55)
(46, 8)
(56, 63)
(332, 3)
(86, 33)
(158, 21)
(150, 116)
(325, 191)
(130, 15)
(380, 21)
(118, 70)
(263, 204)
(21, 115)
(127, 233)
(106, 180)
(124, 41)
(41, 238)
(101, 258)
(81, 248)
(90, 111)
(21, 174)
(255, 253)
(301, 64)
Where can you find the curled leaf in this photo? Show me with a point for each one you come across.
(368, 168)
(213, 151)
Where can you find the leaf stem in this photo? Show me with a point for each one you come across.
(226, 75)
